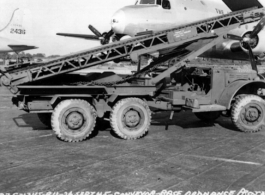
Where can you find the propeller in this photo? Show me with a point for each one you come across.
(104, 38)
(249, 41)
(95, 31)
(258, 28)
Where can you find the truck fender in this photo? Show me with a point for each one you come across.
(232, 90)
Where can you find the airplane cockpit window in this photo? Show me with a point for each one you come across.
(166, 4)
(148, 2)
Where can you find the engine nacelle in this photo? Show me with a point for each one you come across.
(257, 44)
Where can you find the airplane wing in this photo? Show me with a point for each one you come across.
(81, 36)
(236, 5)
(19, 48)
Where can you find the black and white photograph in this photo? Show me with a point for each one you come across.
(132, 97)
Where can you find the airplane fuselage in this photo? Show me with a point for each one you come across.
(157, 15)
(141, 17)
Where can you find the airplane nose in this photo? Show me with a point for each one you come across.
(118, 22)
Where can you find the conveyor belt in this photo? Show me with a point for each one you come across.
(172, 38)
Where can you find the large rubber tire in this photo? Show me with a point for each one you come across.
(248, 113)
(73, 120)
(130, 118)
(45, 118)
(208, 116)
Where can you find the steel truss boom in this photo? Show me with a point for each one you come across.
(211, 30)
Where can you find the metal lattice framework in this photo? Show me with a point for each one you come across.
(134, 47)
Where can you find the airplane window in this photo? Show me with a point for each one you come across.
(166, 4)
(147, 2)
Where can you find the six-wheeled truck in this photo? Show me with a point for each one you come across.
(71, 104)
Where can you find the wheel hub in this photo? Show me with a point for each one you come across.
(252, 114)
(132, 118)
(74, 120)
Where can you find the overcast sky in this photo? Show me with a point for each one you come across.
(70, 16)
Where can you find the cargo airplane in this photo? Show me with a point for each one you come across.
(156, 15)
(13, 33)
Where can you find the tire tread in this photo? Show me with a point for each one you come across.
(113, 118)
(57, 131)
(236, 109)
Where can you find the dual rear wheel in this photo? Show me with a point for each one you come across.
(74, 120)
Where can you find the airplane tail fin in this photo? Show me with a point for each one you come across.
(5, 28)
(17, 26)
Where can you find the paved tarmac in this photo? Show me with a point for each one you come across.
(183, 154)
